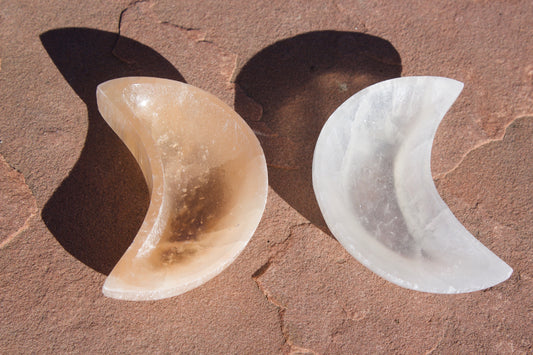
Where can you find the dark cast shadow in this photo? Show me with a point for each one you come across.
(97, 210)
(298, 83)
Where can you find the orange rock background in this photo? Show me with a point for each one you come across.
(72, 197)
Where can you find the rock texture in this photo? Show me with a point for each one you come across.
(17, 201)
(294, 288)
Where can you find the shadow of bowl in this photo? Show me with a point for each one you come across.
(97, 210)
(298, 83)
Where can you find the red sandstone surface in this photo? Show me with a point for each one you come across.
(72, 197)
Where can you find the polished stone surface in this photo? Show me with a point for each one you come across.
(207, 178)
(372, 179)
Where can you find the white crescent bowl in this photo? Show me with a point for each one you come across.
(372, 179)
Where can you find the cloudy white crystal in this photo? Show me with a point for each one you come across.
(373, 183)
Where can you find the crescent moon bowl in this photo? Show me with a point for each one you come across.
(373, 183)
(207, 178)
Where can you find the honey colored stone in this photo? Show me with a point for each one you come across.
(207, 178)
